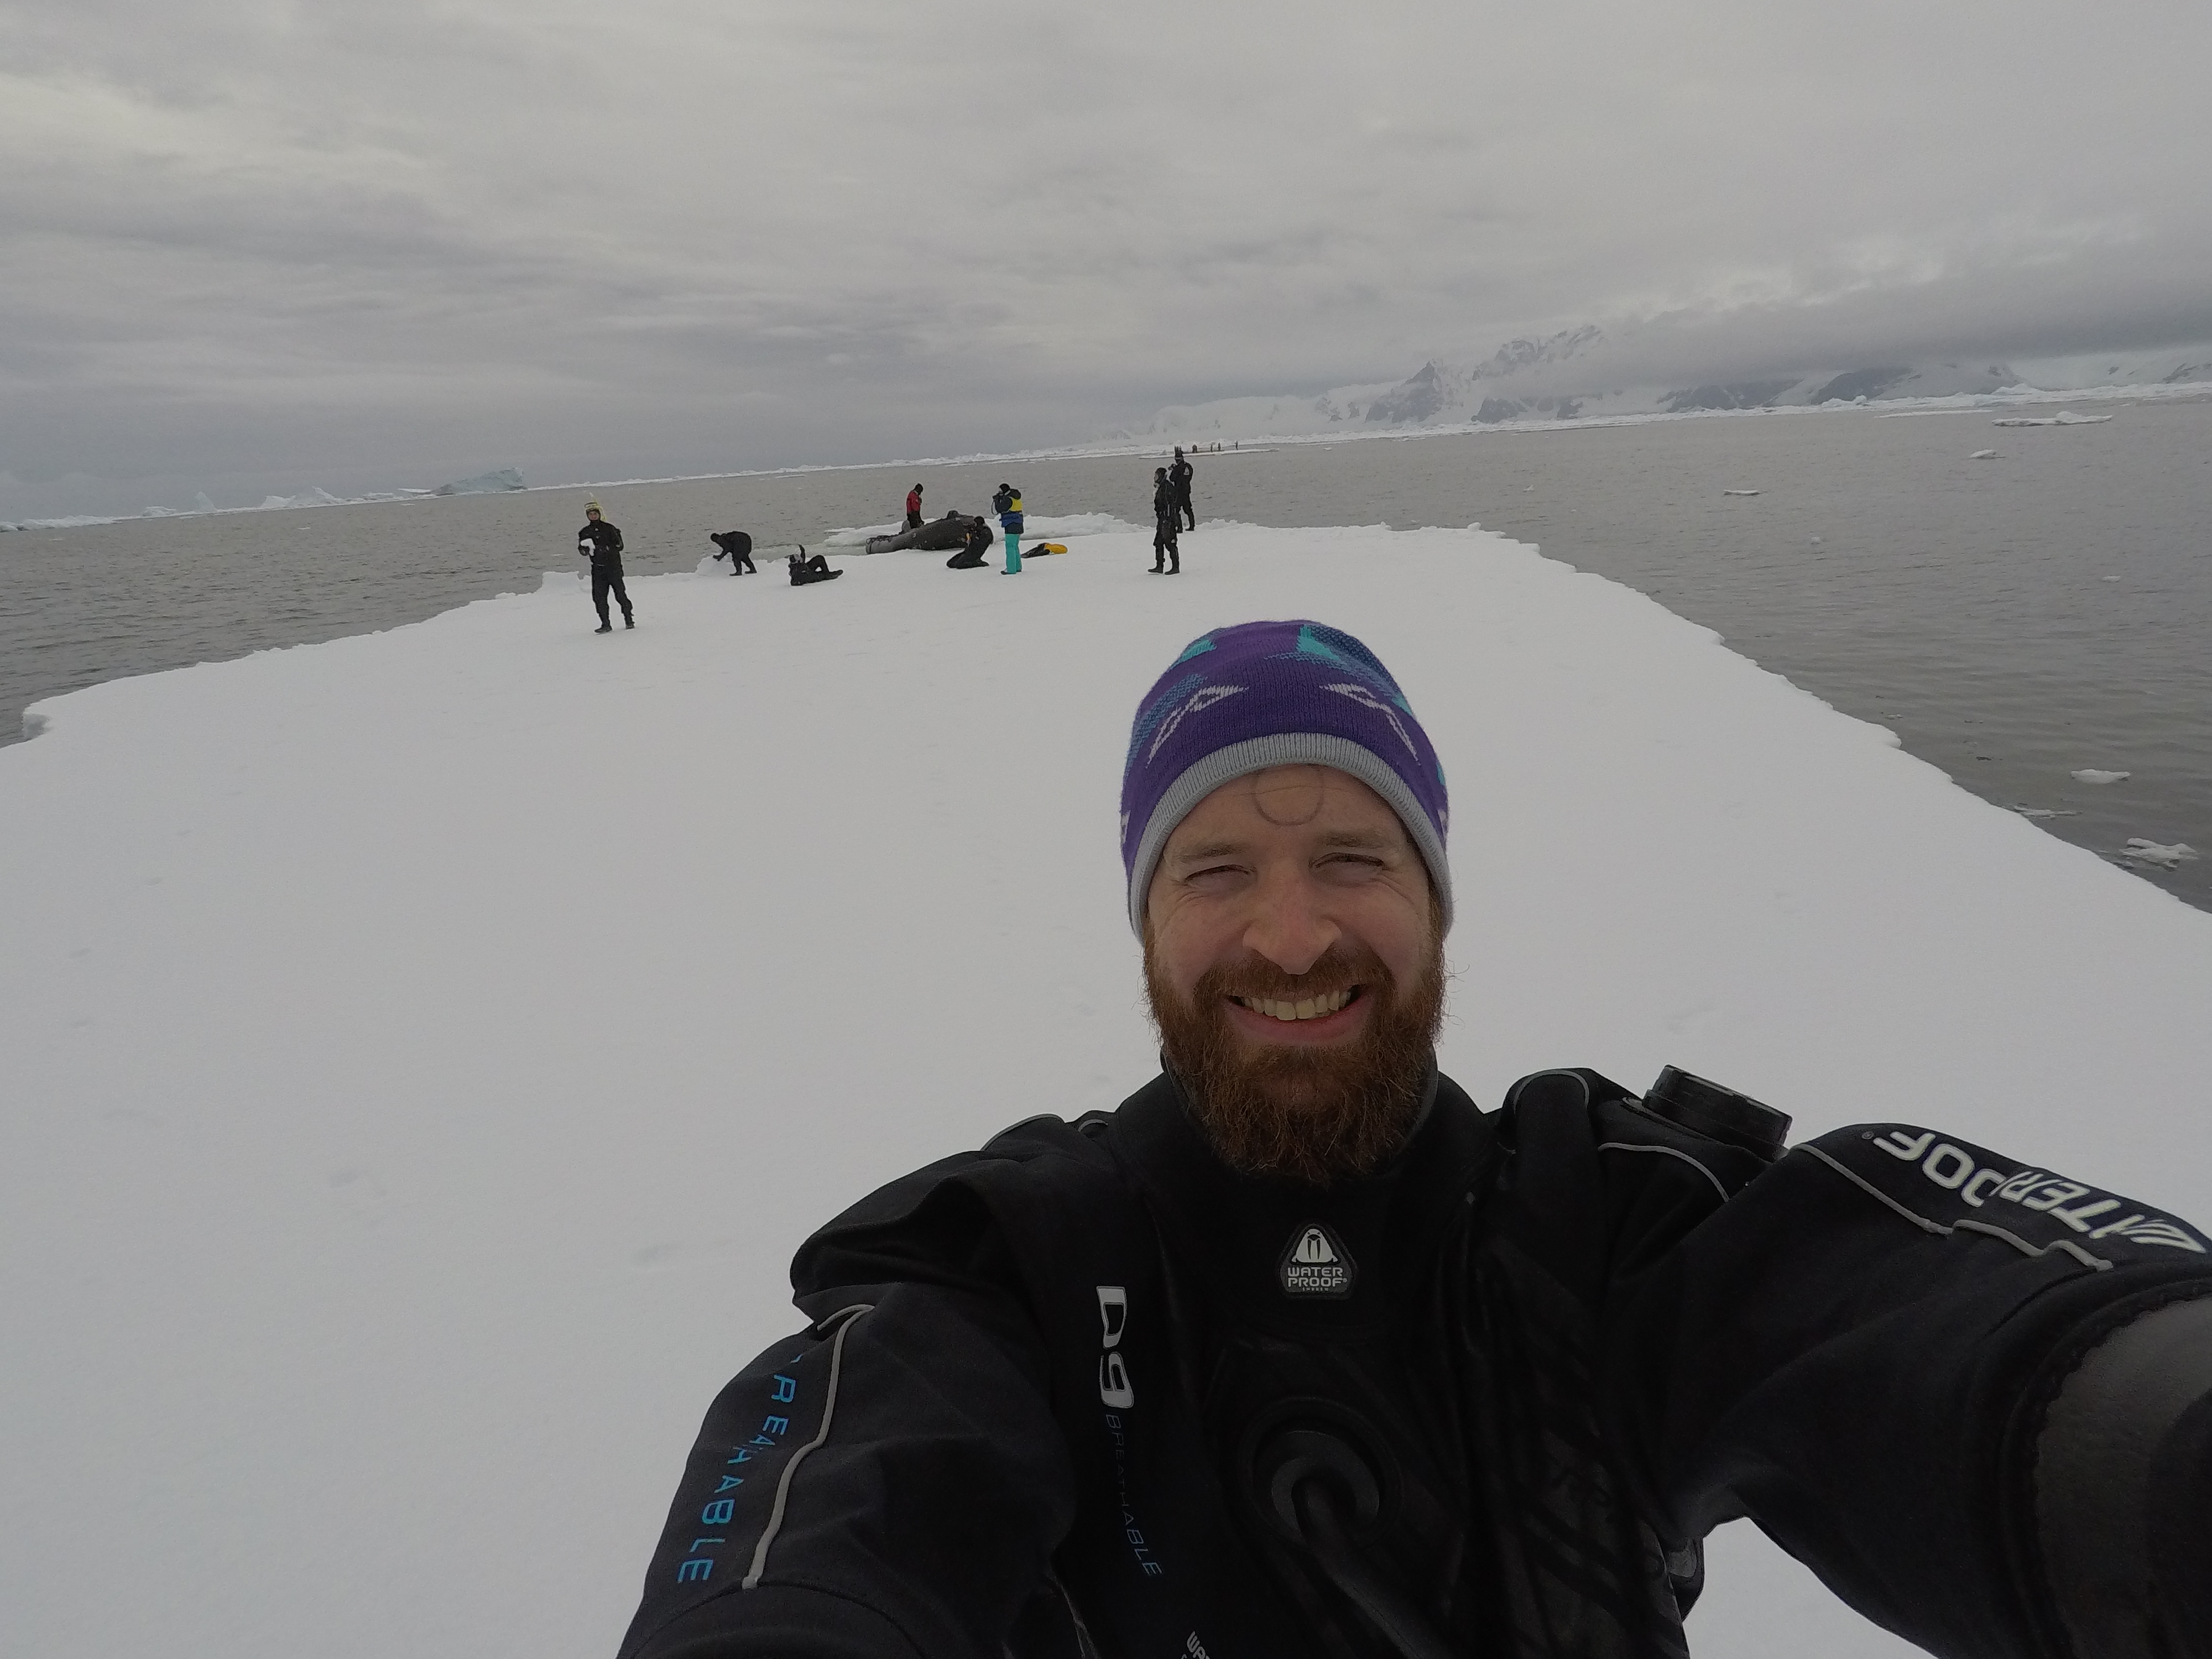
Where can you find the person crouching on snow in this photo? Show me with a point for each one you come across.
(738, 547)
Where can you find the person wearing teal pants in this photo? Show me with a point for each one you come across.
(1010, 520)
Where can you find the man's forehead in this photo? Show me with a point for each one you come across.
(1320, 798)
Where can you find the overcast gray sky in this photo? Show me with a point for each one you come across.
(252, 243)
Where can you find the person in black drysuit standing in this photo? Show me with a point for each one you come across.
(602, 543)
(1300, 1354)
(1179, 477)
(738, 547)
(1167, 525)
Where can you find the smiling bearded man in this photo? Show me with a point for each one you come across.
(1303, 1049)
(1299, 1354)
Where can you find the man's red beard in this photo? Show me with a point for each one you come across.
(1313, 1114)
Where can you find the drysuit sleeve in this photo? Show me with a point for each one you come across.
(889, 1483)
(1975, 1397)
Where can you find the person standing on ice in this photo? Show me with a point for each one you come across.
(1299, 1354)
(914, 507)
(1179, 478)
(1166, 525)
(1008, 502)
(602, 543)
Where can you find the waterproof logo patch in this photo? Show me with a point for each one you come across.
(1316, 1264)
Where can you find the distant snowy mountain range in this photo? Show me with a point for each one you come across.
(1580, 373)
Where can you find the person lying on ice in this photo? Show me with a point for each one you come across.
(1298, 1352)
(807, 568)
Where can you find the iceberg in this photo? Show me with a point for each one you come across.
(484, 484)
(424, 1056)
(317, 497)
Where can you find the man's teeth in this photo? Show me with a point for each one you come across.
(1310, 1008)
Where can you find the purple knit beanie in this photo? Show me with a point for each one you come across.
(1265, 693)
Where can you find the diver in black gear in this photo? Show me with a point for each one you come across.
(602, 543)
(807, 568)
(1179, 480)
(738, 547)
(974, 550)
(1090, 1391)
(1167, 526)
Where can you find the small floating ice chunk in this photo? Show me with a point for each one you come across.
(2063, 417)
(2150, 852)
(2045, 813)
(2092, 774)
(1982, 455)
(2108, 579)
(1738, 492)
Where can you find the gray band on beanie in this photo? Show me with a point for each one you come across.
(1203, 777)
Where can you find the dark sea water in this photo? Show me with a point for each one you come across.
(2014, 619)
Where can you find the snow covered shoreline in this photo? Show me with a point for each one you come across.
(1257, 440)
(427, 1047)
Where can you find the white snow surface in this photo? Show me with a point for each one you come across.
(425, 1049)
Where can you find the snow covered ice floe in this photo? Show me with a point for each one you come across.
(425, 1049)
(2063, 417)
(1982, 455)
(2097, 774)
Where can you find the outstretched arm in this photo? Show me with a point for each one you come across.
(1973, 1397)
(888, 1484)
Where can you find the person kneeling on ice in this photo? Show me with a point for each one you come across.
(1298, 1352)
(973, 550)
(602, 543)
(738, 547)
(810, 568)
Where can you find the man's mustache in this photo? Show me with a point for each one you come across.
(1256, 976)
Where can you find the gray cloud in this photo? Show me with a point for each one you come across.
(361, 245)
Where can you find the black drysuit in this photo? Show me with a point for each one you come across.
(1167, 525)
(971, 555)
(1087, 1392)
(603, 544)
(1179, 481)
